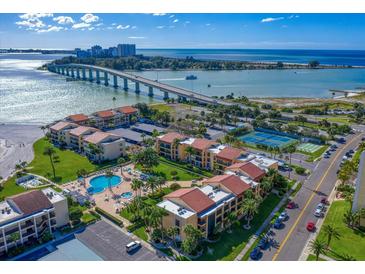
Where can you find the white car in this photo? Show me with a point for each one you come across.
(132, 246)
(319, 210)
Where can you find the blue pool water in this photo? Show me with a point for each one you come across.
(126, 195)
(268, 139)
(100, 183)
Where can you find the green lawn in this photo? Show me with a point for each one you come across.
(231, 244)
(352, 242)
(339, 119)
(69, 163)
(316, 154)
(163, 107)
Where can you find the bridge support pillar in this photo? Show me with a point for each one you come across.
(72, 73)
(83, 74)
(77, 73)
(98, 77)
(115, 81)
(125, 84)
(58, 70)
(137, 88)
(165, 95)
(150, 91)
(63, 71)
(91, 75)
(67, 71)
(106, 80)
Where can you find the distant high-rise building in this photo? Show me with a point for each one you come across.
(126, 50)
(113, 52)
(96, 51)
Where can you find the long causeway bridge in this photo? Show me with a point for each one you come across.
(99, 74)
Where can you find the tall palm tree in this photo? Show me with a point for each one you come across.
(50, 152)
(95, 150)
(173, 232)
(331, 232)
(109, 175)
(290, 150)
(249, 208)
(317, 247)
(136, 185)
(189, 150)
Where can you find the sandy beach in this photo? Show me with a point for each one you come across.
(16, 145)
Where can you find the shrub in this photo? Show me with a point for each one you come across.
(109, 217)
(175, 186)
(173, 172)
(300, 170)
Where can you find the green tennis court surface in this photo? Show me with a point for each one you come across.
(308, 147)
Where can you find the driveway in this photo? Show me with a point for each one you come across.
(109, 242)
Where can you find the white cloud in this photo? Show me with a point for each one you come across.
(175, 21)
(98, 25)
(114, 24)
(89, 18)
(81, 25)
(171, 16)
(31, 23)
(293, 16)
(123, 27)
(52, 28)
(160, 27)
(159, 14)
(63, 20)
(137, 37)
(271, 19)
(30, 16)
(91, 28)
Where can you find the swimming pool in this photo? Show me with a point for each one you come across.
(100, 183)
(126, 195)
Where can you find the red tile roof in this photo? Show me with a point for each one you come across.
(78, 118)
(98, 137)
(81, 130)
(232, 182)
(230, 153)
(202, 144)
(62, 125)
(170, 137)
(127, 110)
(105, 113)
(193, 198)
(248, 168)
(31, 202)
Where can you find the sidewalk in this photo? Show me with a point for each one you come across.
(265, 224)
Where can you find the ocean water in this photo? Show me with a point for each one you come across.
(31, 96)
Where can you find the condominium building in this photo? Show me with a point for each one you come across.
(102, 146)
(80, 119)
(114, 117)
(26, 217)
(60, 132)
(226, 156)
(206, 208)
(128, 113)
(78, 134)
(167, 145)
(126, 50)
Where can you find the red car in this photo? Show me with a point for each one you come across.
(311, 226)
(324, 201)
(291, 205)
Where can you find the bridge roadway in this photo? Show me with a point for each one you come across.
(184, 93)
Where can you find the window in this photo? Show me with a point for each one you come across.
(177, 223)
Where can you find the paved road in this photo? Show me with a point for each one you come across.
(109, 243)
(293, 236)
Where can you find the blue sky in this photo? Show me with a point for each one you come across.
(266, 31)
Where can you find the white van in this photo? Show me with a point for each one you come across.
(132, 246)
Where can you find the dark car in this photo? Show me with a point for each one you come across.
(291, 205)
(278, 223)
(263, 243)
(255, 254)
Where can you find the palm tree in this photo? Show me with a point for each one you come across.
(109, 175)
(136, 185)
(290, 150)
(15, 238)
(189, 150)
(172, 232)
(331, 232)
(231, 218)
(350, 218)
(152, 183)
(266, 185)
(43, 128)
(249, 208)
(317, 247)
(95, 150)
(50, 152)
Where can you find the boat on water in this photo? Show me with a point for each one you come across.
(191, 77)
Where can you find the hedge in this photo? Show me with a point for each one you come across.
(109, 216)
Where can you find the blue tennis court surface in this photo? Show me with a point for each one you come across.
(268, 139)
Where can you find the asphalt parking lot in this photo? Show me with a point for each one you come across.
(109, 243)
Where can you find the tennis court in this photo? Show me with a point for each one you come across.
(268, 139)
(308, 147)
